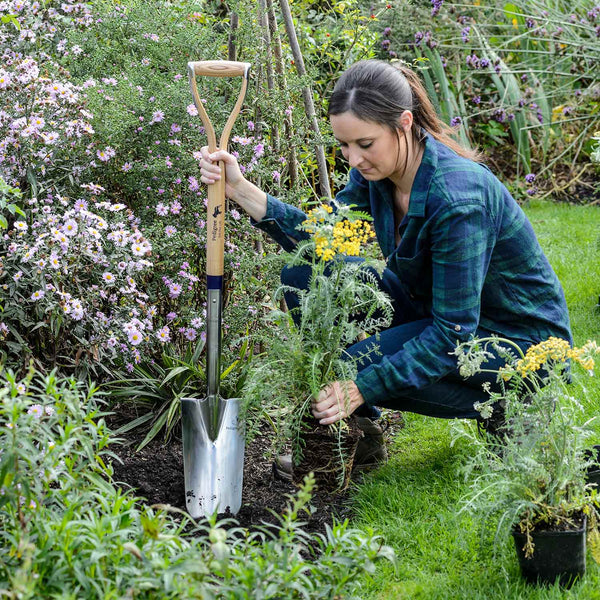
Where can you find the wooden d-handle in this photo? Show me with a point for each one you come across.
(215, 222)
(219, 68)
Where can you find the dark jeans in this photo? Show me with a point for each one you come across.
(452, 396)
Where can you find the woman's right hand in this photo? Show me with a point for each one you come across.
(244, 193)
(210, 172)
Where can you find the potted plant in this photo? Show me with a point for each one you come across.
(305, 348)
(532, 472)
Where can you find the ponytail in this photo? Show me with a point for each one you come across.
(379, 91)
(425, 116)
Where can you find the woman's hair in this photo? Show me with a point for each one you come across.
(379, 91)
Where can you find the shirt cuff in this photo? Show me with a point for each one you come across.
(368, 385)
(271, 223)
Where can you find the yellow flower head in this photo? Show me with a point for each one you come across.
(554, 351)
(333, 234)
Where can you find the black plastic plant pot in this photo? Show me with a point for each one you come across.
(557, 555)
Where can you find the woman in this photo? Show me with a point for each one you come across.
(462, 258)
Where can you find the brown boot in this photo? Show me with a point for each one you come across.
(371, 451)
(283, 467)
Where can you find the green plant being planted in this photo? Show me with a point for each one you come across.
(531, 472)
(306, 346)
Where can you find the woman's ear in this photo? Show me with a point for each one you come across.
(406, 121)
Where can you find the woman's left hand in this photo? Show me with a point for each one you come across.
(337, 401)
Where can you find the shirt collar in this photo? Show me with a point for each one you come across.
(423, 178)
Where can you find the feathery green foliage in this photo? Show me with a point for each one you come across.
(306, 346)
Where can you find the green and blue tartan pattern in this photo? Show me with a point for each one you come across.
(468, 256)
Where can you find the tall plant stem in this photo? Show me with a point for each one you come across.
(280, 71)
(266, 37)
(308, 100)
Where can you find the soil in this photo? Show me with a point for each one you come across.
(321, 455)
(155, 473)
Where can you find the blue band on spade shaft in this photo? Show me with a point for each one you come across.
(214, 282)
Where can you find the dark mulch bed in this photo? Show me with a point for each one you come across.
(156, 474)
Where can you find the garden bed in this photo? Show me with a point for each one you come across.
(155, 473)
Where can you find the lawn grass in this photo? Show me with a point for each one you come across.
(414, 500)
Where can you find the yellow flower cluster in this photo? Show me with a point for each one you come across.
(342, 237)
(555, 350)
(316, 216)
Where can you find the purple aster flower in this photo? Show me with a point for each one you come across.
(162, 209)
(530, 177)
(455, 121)
(163, 334)
(175, 290)
(190, 334)
(106, 154)
(135, 337)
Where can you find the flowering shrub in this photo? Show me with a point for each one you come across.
(71, 281)
(531, 473)
(90, 272)
(42, 119)
(145, 152)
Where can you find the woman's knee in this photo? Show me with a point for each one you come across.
(297, 276)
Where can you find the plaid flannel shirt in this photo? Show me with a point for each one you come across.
(468, 256)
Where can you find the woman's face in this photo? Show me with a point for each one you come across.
(371, 148)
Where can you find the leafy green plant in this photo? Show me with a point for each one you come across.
(68, 532)
(286, 562)
(155, 388)
(531, 473)
(8, 196)
(306, 346)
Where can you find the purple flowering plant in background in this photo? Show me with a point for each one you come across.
(102, 134)
(528, 87)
